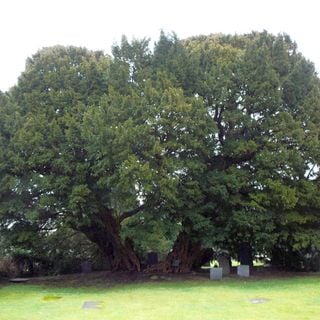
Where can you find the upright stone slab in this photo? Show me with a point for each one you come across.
(152, 258)
(224, 263)
(86, 267)
(215, 273)
(243, 271)
(175, 265)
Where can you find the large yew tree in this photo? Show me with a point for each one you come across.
(97, 143)
(215, 135)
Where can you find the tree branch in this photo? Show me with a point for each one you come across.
(221, 162)
(130, 213)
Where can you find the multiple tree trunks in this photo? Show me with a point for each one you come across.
(106, 235)
(186, 255)
(68, 131)
(284, 257)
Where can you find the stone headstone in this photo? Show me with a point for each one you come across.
(215, 273)
(152, 258)
(86, 267)
(224, 263)
(175, 263)
(243, 271)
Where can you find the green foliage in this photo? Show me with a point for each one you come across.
(216, 136)
(151, 233)
(255, 87)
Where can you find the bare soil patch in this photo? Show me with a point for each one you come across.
(109, 279)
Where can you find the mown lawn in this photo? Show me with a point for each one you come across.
(295, 298)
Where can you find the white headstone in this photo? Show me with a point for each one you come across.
(243, 270)
(215, 273)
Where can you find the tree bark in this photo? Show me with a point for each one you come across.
(106, 234)
(186, 255)
(245, 254)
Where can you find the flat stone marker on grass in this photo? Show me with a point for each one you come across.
(91, 305)
(19, 280)
(51, 298)
(258, 300)
(243, 271)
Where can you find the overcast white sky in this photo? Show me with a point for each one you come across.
(28, 25)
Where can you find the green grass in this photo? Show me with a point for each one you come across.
(296, 298)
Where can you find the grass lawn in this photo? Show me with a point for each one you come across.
(294, 298)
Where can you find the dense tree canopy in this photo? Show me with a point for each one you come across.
(266, 144)
(212, 141)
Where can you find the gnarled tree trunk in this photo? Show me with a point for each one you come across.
(245, 255)
(186, 255)
(106, 234)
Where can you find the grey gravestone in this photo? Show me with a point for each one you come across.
(86, 267)
(224, 263)
(91, 305)
(152, 258)
(243, 271)
(176, 263)
(215, 273)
